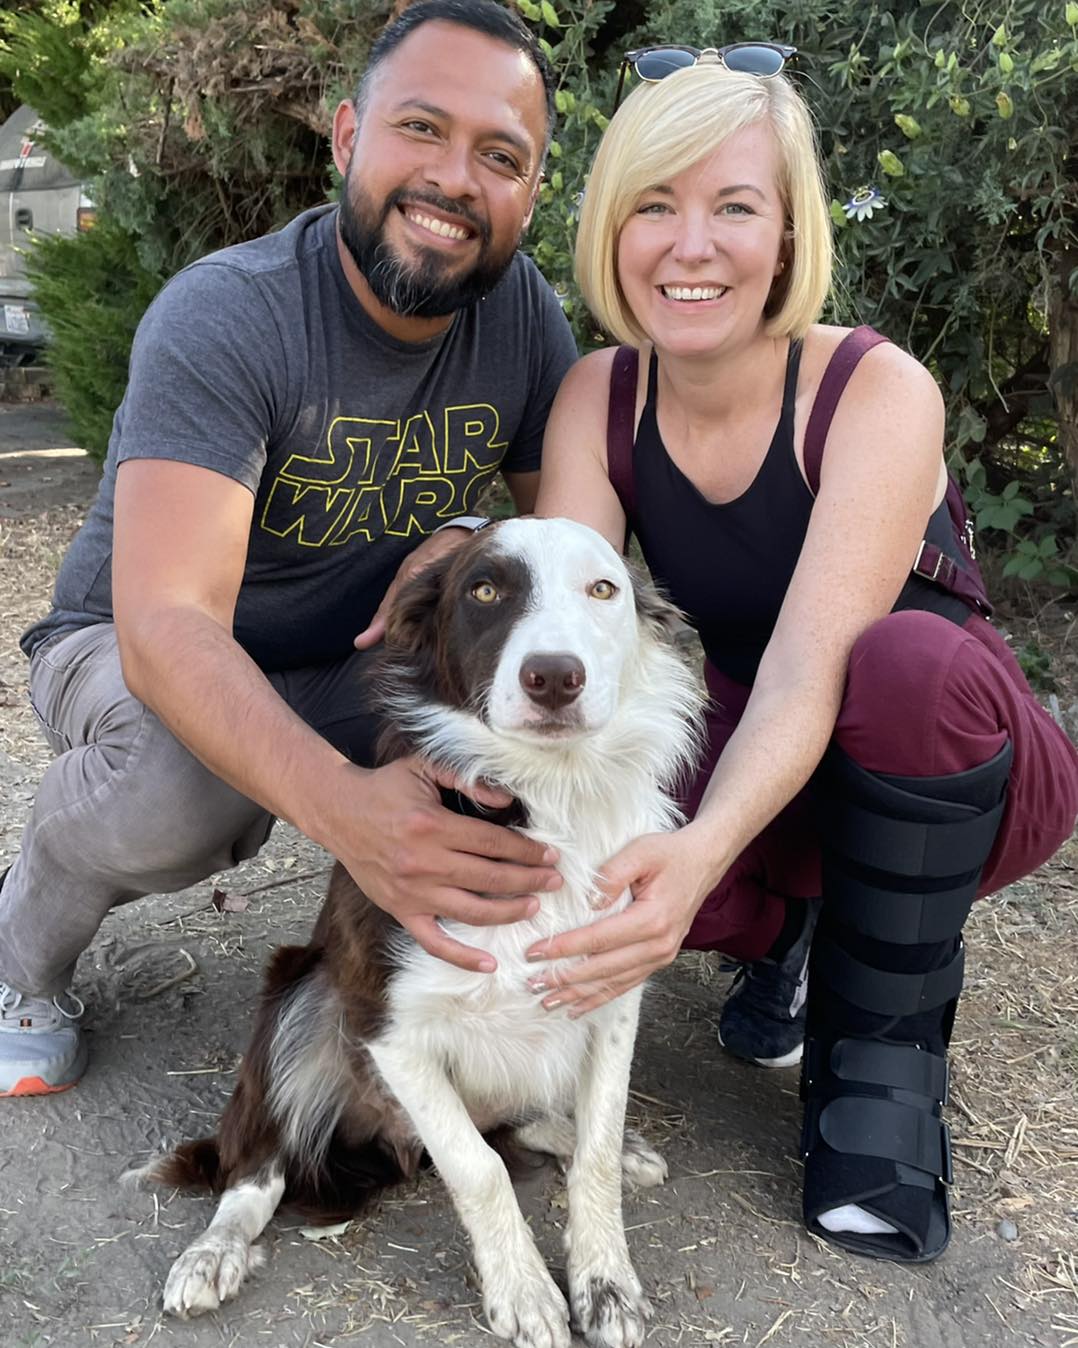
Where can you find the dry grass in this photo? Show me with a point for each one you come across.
(1014, 1107)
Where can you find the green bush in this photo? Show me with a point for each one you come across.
(91, 337)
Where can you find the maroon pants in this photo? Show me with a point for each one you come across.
(924, 698)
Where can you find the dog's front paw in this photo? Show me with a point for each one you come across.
(524, 1305)
(208, 1272)
(640, 1164)
(609, 1309)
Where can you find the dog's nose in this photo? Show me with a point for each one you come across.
(552, 680)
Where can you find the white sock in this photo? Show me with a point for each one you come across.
(852, 1218)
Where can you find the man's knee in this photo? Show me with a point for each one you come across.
(144, 809)
(178, 817)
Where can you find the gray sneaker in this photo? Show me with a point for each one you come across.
(41, 1048)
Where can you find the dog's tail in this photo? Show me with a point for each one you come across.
(348, 1178)
(191, 1166)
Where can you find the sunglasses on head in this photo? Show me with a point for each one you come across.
(748, 58)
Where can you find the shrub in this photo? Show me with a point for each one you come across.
(91, 337)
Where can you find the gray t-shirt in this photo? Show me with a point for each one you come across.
(260, 363)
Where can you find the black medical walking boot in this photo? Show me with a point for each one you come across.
(902, 860)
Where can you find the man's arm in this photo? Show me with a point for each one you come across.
(180, 546)
(524, 489)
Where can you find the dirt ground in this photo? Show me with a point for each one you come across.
(169, 986)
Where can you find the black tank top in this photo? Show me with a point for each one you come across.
(728, 565)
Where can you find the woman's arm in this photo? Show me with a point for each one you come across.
(881, 475)
(574, 482)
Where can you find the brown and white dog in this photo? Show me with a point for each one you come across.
(530, 658)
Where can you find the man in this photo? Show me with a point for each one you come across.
(301, 412)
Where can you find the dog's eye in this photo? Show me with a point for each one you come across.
(602, 589)
(484, 592)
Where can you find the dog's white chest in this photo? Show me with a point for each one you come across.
(505, 1053)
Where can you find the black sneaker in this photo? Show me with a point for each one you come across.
(763, 1020)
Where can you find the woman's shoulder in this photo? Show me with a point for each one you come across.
(588, 379)
(887, 360)
(595, 367)
(822, 340)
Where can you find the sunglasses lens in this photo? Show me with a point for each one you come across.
(662, 61)
(753, 60)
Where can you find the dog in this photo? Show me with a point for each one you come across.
(532, 658)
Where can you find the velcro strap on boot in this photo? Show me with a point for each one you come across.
(872, 1062)
(909, 847)
(890, 915)
(883, 993)
(859, 1126)
(900, 1067)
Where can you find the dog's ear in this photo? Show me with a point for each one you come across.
(660, 617)
(410, 623)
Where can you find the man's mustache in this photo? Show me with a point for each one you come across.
(399, 197)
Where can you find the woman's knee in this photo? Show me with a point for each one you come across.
(923, 697)
(902, 655)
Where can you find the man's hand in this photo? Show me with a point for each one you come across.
(419, 861)
(669, 882)
(438, 545)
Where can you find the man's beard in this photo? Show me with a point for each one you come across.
(421, 289)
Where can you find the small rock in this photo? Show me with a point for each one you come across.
(1007, 1230)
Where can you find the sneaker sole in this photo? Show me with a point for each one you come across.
(790, 1059)
(35, 1086)
(39, 1086)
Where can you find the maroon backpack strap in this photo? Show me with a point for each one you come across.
(963, 578)
(835, 378)
(932, 563)
(621, 412)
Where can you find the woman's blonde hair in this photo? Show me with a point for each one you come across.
(663, 129)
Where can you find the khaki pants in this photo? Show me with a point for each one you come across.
(125, 810)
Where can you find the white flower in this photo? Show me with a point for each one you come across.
(863, 203)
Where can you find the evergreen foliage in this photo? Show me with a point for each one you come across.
(93, 336)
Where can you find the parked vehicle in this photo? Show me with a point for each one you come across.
(38, 195)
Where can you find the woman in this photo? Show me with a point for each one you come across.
(861, 711)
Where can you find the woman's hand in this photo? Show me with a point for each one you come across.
(669, 880)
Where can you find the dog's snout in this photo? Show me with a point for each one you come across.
(552, 680)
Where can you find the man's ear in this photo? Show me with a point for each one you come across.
(532, 202)
(344, 134)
